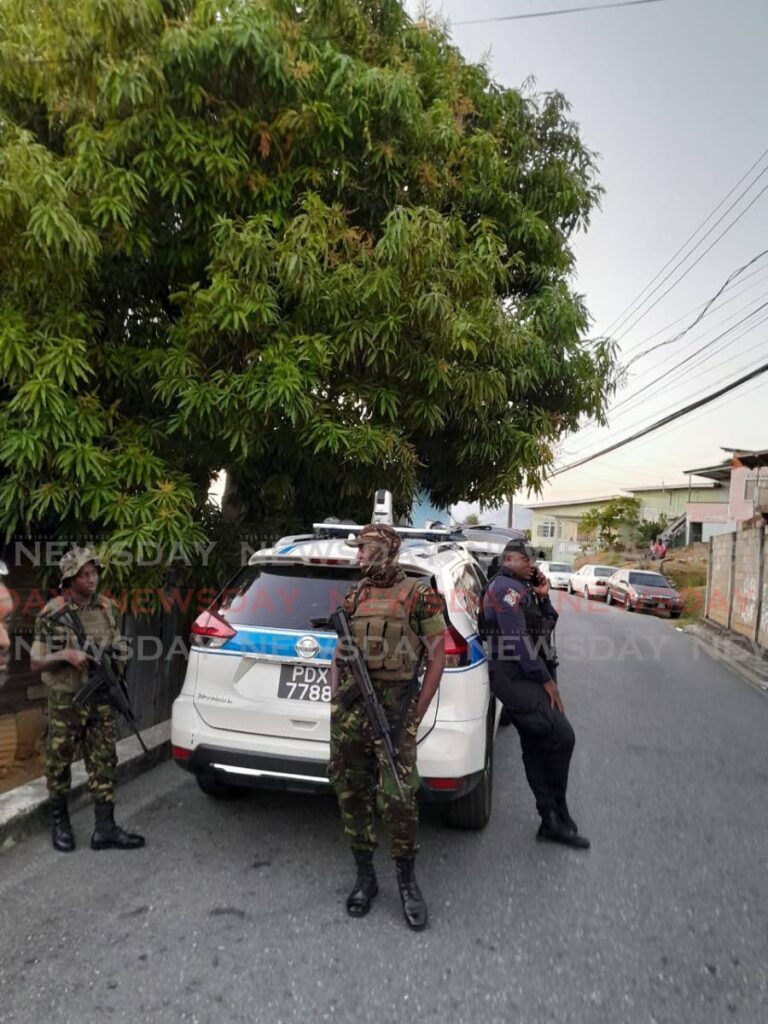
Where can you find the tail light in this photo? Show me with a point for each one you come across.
(632, 593)
(208, 630)
(456, 648)
(444, 783)
(180, 753)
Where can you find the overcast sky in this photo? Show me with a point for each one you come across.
(672, 95)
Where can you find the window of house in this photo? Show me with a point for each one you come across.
(750, 486)
(547, 528)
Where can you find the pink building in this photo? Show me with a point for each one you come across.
(743, 493)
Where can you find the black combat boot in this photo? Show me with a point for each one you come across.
(554, 830)
(414, 907)
(61, 828)
(109, 836)
(365, 888)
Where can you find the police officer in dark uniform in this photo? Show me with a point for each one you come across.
(518, 620)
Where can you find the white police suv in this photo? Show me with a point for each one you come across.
(254, 707)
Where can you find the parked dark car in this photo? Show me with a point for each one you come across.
(637, 589)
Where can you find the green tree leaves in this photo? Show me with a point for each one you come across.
(313, 247)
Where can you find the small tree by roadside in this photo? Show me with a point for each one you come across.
(607, 520)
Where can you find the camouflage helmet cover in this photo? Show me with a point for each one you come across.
(73, 561)
(380, 534)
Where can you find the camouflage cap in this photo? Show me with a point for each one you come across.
(74, 560)
(378, 533)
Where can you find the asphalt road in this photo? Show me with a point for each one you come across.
(234, 911)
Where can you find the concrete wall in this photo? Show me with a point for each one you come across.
(737, 583)
(762, 633)
(746, 580)
(719, 581)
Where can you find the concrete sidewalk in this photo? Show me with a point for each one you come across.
(734, 651)
(24, 808)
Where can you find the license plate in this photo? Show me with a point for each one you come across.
(305, 682)
(661, 605)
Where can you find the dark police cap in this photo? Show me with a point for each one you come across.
(522, 546)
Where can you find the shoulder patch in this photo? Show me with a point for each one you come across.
(511, 598)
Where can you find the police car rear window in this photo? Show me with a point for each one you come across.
(604, 572)
(284, 597)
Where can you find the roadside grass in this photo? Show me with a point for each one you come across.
(693, 605)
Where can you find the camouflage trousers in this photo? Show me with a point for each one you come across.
(91, 729)
(361, 778)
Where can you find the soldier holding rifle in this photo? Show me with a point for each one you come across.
(79, 713)
(394, 622)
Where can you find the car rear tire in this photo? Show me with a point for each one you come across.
(608, 598)
(214, 786)
(586, 593)
(628, 606)
(473, 811)
(674, 615)
(570, 588)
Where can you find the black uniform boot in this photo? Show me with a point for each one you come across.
(414, 907)
(565, 817)
(109, 836)
(61, 829)
(553, 830)
(365, 887)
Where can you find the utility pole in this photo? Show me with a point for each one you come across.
(510, 500)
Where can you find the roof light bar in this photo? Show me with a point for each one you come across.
(344, 529)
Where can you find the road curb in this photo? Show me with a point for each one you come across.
(735, 653)
(24, 809)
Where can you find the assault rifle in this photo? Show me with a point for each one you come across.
(105, 680)
(352, 658)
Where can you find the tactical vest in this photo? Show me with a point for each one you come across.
(541, 629)
(381, 628)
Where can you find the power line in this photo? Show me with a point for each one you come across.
(667, 419)
(701, 315)
(564, 10)
(699, 258)
(632, 408)
(617, 321)
(698, 306)
(632, 398)
(692, 355)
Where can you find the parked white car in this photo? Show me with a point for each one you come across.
(558, 574)
(254, 707)
(591, 580)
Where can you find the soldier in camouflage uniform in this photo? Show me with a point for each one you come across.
(394, 621)
(92, 727)
(6, 607)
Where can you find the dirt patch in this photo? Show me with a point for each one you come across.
(18, 772)
(686, 567)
